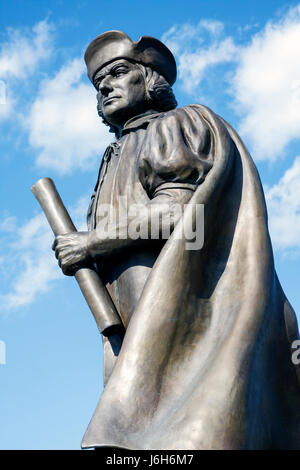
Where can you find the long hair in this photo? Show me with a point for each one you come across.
(159, 94)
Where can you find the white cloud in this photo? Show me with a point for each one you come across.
(8, 224)
(199, 48)
(265, 81)
(192, 67)
(187, 36)
(20, 55)
(27, 261)
(266, 87)
(7, 101)
(63, 123)
(32, 266)
(3, 93)
(6, 108)
(283, 201)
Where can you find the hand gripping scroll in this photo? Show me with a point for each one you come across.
(95, 293)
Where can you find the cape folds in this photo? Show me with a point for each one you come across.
(208, 365)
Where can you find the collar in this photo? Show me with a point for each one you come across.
(139, 121)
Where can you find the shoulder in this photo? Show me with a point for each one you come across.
(176, 149)
(193, 116)
(182, 112)
(180, 126)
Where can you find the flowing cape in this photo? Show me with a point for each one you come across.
(206, 358)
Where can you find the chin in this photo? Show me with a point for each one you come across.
(117, 116)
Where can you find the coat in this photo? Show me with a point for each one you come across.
(206, 358)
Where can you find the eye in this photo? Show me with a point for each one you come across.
(119, 71)
(97, 83)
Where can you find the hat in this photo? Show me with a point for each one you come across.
(114, 45)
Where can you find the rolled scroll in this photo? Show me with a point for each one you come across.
(95, 293)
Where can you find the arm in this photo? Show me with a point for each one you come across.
(154, 221)
(177, 154)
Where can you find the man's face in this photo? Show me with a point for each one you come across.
(121, 91)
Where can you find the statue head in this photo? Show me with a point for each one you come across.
(130, 77)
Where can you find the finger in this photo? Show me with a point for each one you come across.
(60, 253)
(58, 241)
(66, 261)
(61, 243)
(64, 246)
(68, 273)
(68, 270)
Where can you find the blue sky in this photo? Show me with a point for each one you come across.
(239, 58)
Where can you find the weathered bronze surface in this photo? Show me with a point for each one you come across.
(205, 362)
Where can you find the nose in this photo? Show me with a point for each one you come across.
(105, 86)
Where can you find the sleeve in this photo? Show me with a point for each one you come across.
(177, 151)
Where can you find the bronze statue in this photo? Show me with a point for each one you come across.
(205, 361)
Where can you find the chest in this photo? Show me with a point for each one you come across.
(119, 186)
